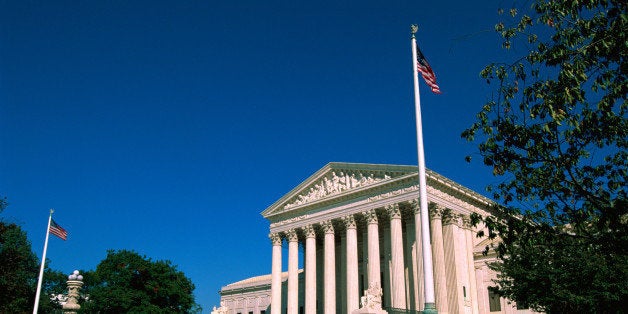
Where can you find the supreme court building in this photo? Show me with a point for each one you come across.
(357, 226)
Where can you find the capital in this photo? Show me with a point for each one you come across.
(328, 227)
(349, 222)
(436, 212)
(466, 222)
(309, 231)
(394, 211)
(451, 218)
(415, 205)
(371, 216)
(275, 238)
(292, 235)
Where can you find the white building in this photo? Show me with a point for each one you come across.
(355, 225)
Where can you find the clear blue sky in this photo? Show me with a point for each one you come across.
(167, 127)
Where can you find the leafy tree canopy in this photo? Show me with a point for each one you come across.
(126, 282)
(18, 268)
(556, 135)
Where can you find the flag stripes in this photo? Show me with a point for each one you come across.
(426, 71)
(58, 230)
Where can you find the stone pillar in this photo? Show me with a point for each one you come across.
(353, 293)
(74, 283)
(455, 303)
(438, 257)
(396, 241)
(310, 269)
(473, 288)
(373, 249)
(419, 282)
(275, 287)
(293, 271)
(330, 268)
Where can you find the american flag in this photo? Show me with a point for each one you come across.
(426, 71)
(58, 230)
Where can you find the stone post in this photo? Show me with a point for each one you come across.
(75, 282)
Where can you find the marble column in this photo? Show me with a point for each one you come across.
(275, 287)
(373, 249)
(396, 241)
(353, 293)
(330, 268)
(452, 263)
(419, 282)
(473, 288)
(310, 269)
(293, 271)
(438, 257)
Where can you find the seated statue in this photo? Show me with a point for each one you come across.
(372, 298)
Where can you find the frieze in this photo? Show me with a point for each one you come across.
(288, 221)
(460, 199)
(393, 193)
(335, 183)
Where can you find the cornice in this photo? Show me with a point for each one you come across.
(394, 184)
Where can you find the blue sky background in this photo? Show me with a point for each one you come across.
(166, 127)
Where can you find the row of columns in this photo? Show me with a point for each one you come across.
(443, 302)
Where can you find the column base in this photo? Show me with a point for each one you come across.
(430, 308)
(366, 310)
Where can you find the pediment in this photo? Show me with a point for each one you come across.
(334, 180)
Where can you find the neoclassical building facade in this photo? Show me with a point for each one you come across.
(354, 226)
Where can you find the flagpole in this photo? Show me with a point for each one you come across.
(430, 304)
(43, 262)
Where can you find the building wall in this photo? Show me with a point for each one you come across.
(381, 195)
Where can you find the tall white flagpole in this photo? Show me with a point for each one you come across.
(430, 303)
(41, 269)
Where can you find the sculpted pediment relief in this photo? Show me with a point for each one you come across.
(336, 179)
(335, 183)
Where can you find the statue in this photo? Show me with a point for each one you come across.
(223, 309)
(372, 298)
(371, 302)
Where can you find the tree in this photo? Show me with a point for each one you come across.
(125, 282)
(556, 135)
(18, 268)
(54, 290)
